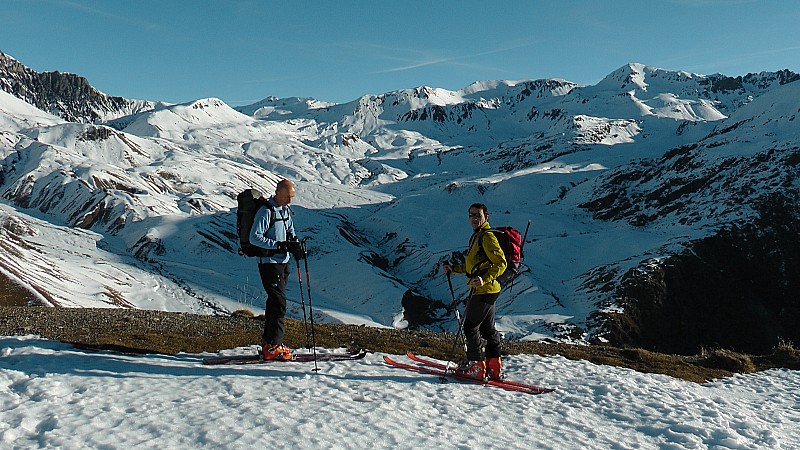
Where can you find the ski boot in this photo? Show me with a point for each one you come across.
(472, 369)
(278, 352)
(494, 369)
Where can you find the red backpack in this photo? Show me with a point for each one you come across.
(511, 242)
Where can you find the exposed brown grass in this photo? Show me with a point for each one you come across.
(11, 294)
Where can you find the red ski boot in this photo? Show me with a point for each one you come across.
(472, 369)
(494, 369)
(279, 352)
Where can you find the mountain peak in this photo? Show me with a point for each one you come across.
(628, 77)
(278, 107)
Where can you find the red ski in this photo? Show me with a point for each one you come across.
(427, 369)
(441, 366)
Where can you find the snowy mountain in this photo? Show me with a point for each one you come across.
(64, 94)
(619, 180)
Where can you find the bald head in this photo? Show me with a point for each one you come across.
(284, 192)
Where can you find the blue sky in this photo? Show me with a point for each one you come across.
(243, 51)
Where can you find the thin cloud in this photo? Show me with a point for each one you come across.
(415, 65)
(713, 3)
(102, 13)
(265, 80)
(454, 59)
(774, 51)
(742, 59)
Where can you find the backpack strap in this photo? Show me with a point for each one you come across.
(480, 240)
(484, 258)
(273, 217)
(273, 213)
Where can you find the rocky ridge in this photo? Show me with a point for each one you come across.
(66, 95)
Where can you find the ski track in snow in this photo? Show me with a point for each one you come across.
(55, 396)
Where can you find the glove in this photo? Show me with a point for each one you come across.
(293, 247)
(476, 282)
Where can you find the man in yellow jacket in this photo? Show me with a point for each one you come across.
(485, 262)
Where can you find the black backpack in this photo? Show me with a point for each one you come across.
(249, 202)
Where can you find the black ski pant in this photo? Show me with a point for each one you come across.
(273, 278)
(479, 323)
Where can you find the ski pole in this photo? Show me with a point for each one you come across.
(452, 292)
(459, 334)
(524, 237)
(310, 307)
(455, 306)
(302, 300)
(460, 322)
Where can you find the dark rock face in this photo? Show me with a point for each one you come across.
(737, 289)
(66, 95)
(420, 311)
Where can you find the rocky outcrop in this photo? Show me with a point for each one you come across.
(66, 95)
(736, 289)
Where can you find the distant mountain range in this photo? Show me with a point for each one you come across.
(663, 204)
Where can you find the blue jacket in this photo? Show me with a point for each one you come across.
(265, 237)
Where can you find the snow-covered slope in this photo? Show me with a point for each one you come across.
(49, 398)
(755, 150)
(603, 172)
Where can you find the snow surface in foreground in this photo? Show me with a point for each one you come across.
(55, 396)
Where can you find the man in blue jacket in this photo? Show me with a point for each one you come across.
(277, 236)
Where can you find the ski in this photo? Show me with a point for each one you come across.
(297, 357)
(441, 366)
(516, 387)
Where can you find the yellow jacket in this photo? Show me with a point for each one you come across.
(488, 264)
